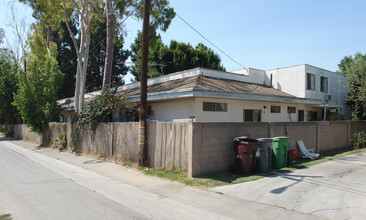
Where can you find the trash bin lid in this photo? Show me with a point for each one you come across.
(264, 139)
(244, 138)
(279, 138)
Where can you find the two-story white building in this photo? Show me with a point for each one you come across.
(297, 93)
(309, 82)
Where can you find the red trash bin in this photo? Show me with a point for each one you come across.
(292, 155)
(245, 149)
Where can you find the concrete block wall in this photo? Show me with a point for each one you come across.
(212, 150)
(199, 148)
(212, 153)
(306, 131)
(332, 135)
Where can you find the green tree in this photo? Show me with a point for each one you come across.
(50, 15)
(8, 86)
(176, 57)
(36, 98)
(66, 60)
(2, 35)
(96, 65)
(354, 70)
(40, 47)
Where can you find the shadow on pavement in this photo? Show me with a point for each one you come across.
(3, 138)
(293, 178)
(93, 162)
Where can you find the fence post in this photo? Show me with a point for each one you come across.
(349, 133)
(317, 136)
(190, 150)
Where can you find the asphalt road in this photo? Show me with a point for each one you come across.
(29, 190)
(42, 183)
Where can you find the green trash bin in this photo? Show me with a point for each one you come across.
(279, 152)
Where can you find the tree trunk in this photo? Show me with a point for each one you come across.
(85, 58)
(109, 47)
(82, 49)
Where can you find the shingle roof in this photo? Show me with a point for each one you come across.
(204, 83)
(209, 83)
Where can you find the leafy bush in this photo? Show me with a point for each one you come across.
(336, 117)
(6, 217)
(98, 109)
(96, 112)
(60, 141)
(8, 87)
(36, 98)
(359, 140)
(75, 132)
(355, 118)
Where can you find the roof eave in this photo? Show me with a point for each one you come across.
(195, 92)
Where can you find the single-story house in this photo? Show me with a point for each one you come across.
(298, 93)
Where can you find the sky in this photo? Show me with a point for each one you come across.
(262, 34)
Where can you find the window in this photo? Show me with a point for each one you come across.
(300, 116)
(251, 115)
(310, 81)
(275, 109)
(291, 109)
(323, 84)
(312, 116)
(214, 107)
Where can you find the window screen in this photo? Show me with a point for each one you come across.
(323, 84)
(291, 109)
(275, 109)
(310, 81)
(214, 107)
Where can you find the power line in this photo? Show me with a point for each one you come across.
(76, 56)
(82, 51)
(209, 41)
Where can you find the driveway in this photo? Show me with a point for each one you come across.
(331, 190)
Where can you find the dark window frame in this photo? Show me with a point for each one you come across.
(275, 109)
(312, 116)
(249, 115)
(324, 88)
(291, 109)
(310, 81)
(214, 107)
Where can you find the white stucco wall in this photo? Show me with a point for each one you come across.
(293, 80)
(289, 79)
(336, 86)
(185, 108)
(253, 75)
(173, 109)
(236, 107)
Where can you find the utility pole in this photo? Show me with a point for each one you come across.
(143, 85)
(109, 45)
